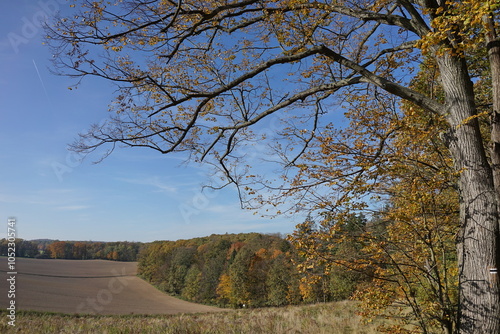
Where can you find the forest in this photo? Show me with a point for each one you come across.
(230, 270)
(239, 270)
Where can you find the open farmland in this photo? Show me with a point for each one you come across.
(119, 302)
(328, 318)
(90, 286)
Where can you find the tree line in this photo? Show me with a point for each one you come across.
(239, 270)
(74, 250)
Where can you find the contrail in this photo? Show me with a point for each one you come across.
(41, 81)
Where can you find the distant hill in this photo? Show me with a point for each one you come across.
(43, 240)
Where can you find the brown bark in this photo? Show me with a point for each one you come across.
(478, 240)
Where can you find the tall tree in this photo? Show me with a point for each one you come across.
(409, 249)
(199, 75)
(80, 251)
(60, 250)
(240, 278)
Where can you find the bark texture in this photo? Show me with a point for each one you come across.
(477, 243)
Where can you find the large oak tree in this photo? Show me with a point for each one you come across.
(200, 76)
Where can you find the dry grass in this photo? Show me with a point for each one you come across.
(313, 319)
(127, 304)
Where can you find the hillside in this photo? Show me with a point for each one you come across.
(92, 286)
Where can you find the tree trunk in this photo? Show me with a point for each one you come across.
(479, 303)
(493, 46)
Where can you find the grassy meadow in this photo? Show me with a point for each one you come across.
(339, 317)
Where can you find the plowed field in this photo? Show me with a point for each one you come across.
(90, 286)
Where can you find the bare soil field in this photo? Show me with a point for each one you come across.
(88, 286)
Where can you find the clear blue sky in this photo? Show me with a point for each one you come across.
(135, 195)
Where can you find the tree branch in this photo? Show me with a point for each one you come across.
(389, 86)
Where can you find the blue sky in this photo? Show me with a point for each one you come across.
(135, 194)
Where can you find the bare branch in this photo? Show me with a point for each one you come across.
(391, 87)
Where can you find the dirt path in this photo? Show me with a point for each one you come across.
(90, 286)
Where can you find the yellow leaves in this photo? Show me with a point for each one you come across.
(470, 118)
(154, 40)
(305, 290)
(439, 10)
(457, 27)
(224, 289)
(230, 58)
(262, 253)
(396, 154)
(276, 253)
